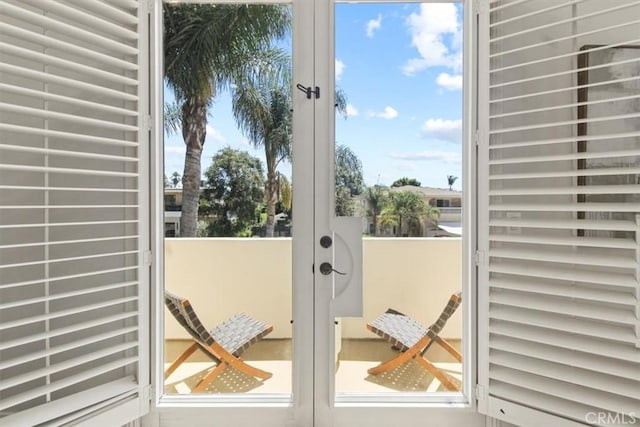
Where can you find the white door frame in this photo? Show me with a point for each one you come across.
(312, 402)
(391, 409)
(237, 411)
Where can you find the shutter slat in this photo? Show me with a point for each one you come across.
(67, 382)
(563, 21)
(67, 277)
(594, 242)
(82, 189)
(67, 135)
(550, 124)
(554, 323)
(572, 342)
(571, 374)
(85, 291)
(64, 313)
(71, 30)
(564, 106)
(77, 327)
(535, 286)
(48, 114)
(536, 12)
(91, 20)
(82, 103)
(67, 153)
(524, 97)
(562, 273)
(72, 207)
(574, 173)
(586, 189)
(67, 242)
(607, 401)
(42, 169)
(107, 10)
(566, 224)
(68, 259)
(66, 64)
(564, 257)
(567, 207)
(563, 56)
(562, 157)
(67, 364)
(40, 76)
(575, 139)
(66, 224)
(565, 306)
(21, 33)
(548, 353)
(95, 338)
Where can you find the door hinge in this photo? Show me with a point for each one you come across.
(150, 6)
(147, 123)
(147, 258)
(480, 7)
(480, 258)
(476, 137)
(480, 392)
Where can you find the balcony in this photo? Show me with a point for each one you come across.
(225, 276)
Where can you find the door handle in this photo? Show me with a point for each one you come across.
(326, 269)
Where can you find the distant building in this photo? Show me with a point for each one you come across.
(449, 202)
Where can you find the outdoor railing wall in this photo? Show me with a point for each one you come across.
(223, 276)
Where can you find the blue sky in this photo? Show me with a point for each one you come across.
(400, 66)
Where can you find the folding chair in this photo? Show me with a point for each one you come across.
(413, 340)
(224, 344)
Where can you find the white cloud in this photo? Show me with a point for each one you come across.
(449, 82)
(214, 135)
(446, 130)
(351, 111)
(339, 68)
(439, 156)
(374, 25)
(389, 113)
(428, 30)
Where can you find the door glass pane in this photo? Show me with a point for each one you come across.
(228, 197)
(399, 167)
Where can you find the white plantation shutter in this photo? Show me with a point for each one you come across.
(71, 194)
(559, 196)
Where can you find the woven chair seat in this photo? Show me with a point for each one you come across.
(239, 332)
(400, 330)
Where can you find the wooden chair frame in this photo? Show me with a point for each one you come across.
(418, 350)
(203, 340)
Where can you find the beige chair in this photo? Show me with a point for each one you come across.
(412, 340)
(224, 344)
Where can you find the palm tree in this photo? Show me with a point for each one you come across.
(376, 201)
(407, 207)
(206, 49)
(451, 180)
(263, 113)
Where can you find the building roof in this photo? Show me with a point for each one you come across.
(429, 191)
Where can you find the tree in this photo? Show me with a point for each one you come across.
(451, 180)
(406, 181)
(407, 207)
(377, 199)
(263, 113)
(349, 180)
(206, 49)
(175, 179)
(235, 182)
(348, 170)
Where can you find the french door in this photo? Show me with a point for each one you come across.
(340, 281)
